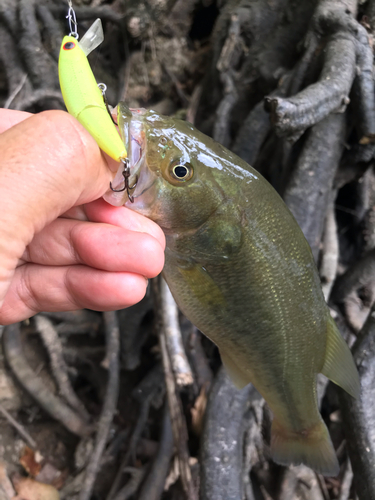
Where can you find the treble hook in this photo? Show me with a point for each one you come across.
(71, 17)
(126, 174)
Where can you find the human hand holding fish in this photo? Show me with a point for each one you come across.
(51, 257)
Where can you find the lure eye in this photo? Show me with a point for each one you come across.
(182, 171)
(69, 45)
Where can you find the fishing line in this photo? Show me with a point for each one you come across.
(72, 20)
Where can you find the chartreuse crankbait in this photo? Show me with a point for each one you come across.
(82, 96)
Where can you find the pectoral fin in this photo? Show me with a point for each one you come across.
(203, 286)
(238, 378)
(339, 365)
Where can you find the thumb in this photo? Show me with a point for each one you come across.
(49, 164)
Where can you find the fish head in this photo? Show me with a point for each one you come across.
(173, 175)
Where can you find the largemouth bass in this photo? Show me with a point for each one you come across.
(240, 269)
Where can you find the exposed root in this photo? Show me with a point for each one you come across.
(153, 486)
(309, 189)
(60, 370)
(179, 428)
(35, 387)
(109, 405)
(19, 428)
(348, 58)
(180, 364)
(355, 290)
(358, 415)
(221, 449)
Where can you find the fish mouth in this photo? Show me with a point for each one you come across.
(133, 178)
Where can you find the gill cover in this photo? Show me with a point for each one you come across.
(82, 97)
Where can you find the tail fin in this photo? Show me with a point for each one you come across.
(313, 448)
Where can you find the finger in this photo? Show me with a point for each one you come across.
(40, 288)
(10, 117)
(100, 211)
(77, 213)
(67, 242)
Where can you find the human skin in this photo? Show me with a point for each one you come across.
(62, 247)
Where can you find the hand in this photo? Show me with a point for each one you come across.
(51, 257)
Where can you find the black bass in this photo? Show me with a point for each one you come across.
(241, 270)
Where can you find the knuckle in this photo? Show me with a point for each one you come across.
(80, 146)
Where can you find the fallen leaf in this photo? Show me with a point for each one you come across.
(30, 462)
(198, 411)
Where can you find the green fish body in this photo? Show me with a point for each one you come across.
(240, 268)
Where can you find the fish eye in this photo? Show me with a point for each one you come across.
(69, 45)
(182, 171)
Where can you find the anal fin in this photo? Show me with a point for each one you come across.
(239, 379)
(339, 364)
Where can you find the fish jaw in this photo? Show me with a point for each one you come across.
(132, 132)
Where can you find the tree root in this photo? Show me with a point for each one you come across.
(52, 28)
(28, 379)
(179, 428)
(180, 364)
(292, 116)
(355, 291)
(257, 126)
(109, 406)
(330, 251)
(222, 440)
(19, 428)
(148, 392)
(307, 194)
(25, 49)
(41, 68)
(347, 49)
(153, 486)
(133, 484)
(346, 482)
(354, 163)
(8, 15)
(12, 64)
(132, 336)
(358, 415)
(38, 97)
(60, 370)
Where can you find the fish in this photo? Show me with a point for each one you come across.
(241, 270)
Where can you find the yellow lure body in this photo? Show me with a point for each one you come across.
(84, 100)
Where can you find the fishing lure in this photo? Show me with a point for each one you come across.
(84, 99)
